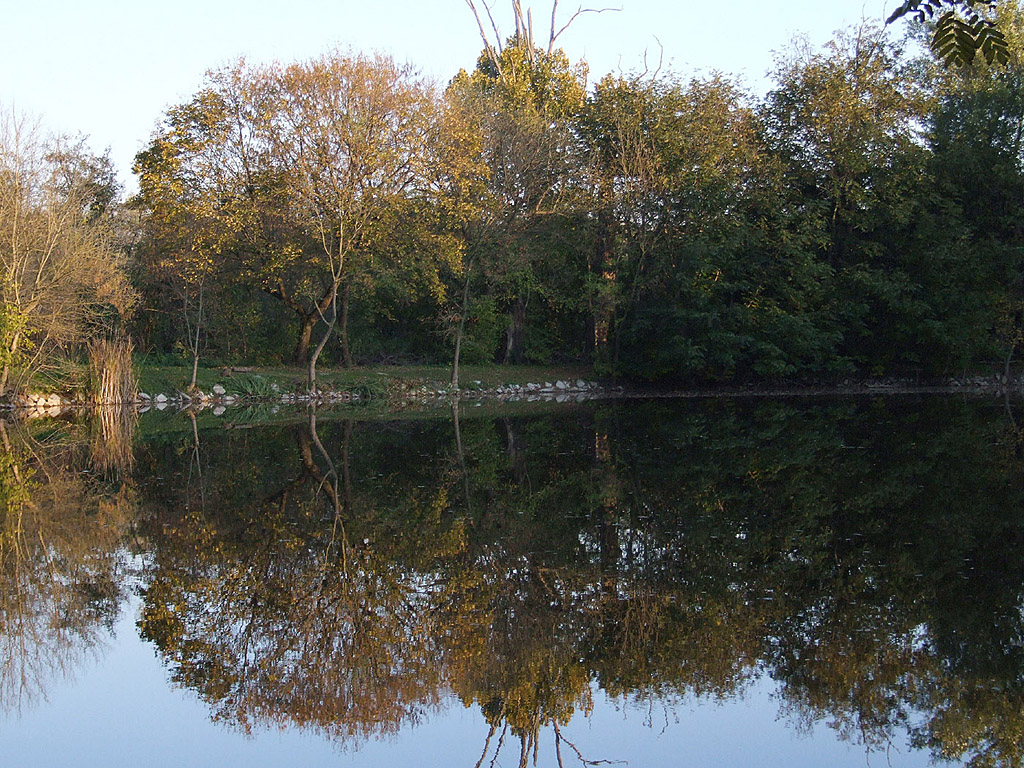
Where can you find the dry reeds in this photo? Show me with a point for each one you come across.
(112, 378)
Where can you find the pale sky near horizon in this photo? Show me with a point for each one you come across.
(109, 69)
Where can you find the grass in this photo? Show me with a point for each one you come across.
(375, 381)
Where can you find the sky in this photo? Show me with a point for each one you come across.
(108, 69)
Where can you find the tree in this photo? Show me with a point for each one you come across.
(300, 180)
(524, 102)
(349, 133)
(845, 123)
(62, 273)
(976, 138)
(215, 206)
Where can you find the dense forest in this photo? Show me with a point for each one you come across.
(859, 218)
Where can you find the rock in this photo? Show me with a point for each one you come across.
(161, 398)
(219, 410)
(219, 390)
(143, 396)
(54, 401)
(581, 384)
(161, 405)
(561, 385)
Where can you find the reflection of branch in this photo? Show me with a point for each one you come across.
(487, 746)
(196, 461)
(329, 480)
(560, 738)
(462, 456)
(501, 740)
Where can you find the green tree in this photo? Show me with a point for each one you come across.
(303, 180)
(524, 99)
(845, 123)
(976, 137)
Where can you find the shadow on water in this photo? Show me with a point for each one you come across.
(348, 577)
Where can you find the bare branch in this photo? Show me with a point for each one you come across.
(492, 54)
(661, 58)
(579, 12)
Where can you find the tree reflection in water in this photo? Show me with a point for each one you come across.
(349, 576)
(66, 502)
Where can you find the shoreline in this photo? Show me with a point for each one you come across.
(402, 394)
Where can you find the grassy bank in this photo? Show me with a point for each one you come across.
(375, 381)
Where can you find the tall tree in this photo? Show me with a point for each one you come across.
(298, 180)
(845, 123)
(526, 100)
(349, 133)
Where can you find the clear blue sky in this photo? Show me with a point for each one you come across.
(108, 69)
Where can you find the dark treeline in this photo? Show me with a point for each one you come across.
(859, 218)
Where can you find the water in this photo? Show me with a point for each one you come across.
(691, 582)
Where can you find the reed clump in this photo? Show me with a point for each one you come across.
(112, 378)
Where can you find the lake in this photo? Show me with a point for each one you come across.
(692, 582)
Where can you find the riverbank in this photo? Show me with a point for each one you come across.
(402, 387)
(162, 387)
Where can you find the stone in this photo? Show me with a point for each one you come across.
(219, 390)
(161, 398)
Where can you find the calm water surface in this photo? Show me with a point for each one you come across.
(691, 582)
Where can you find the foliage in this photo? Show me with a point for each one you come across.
(962, 29)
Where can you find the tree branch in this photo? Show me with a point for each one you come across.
(579, 12)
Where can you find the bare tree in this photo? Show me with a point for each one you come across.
(493, 46)
(61, 273)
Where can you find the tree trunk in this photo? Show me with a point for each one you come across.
(514, 334)
(307, 320)
(305, 335)
(602, 268)
(194, 342)
(333, 310)
(346, 353)
(461, 328)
